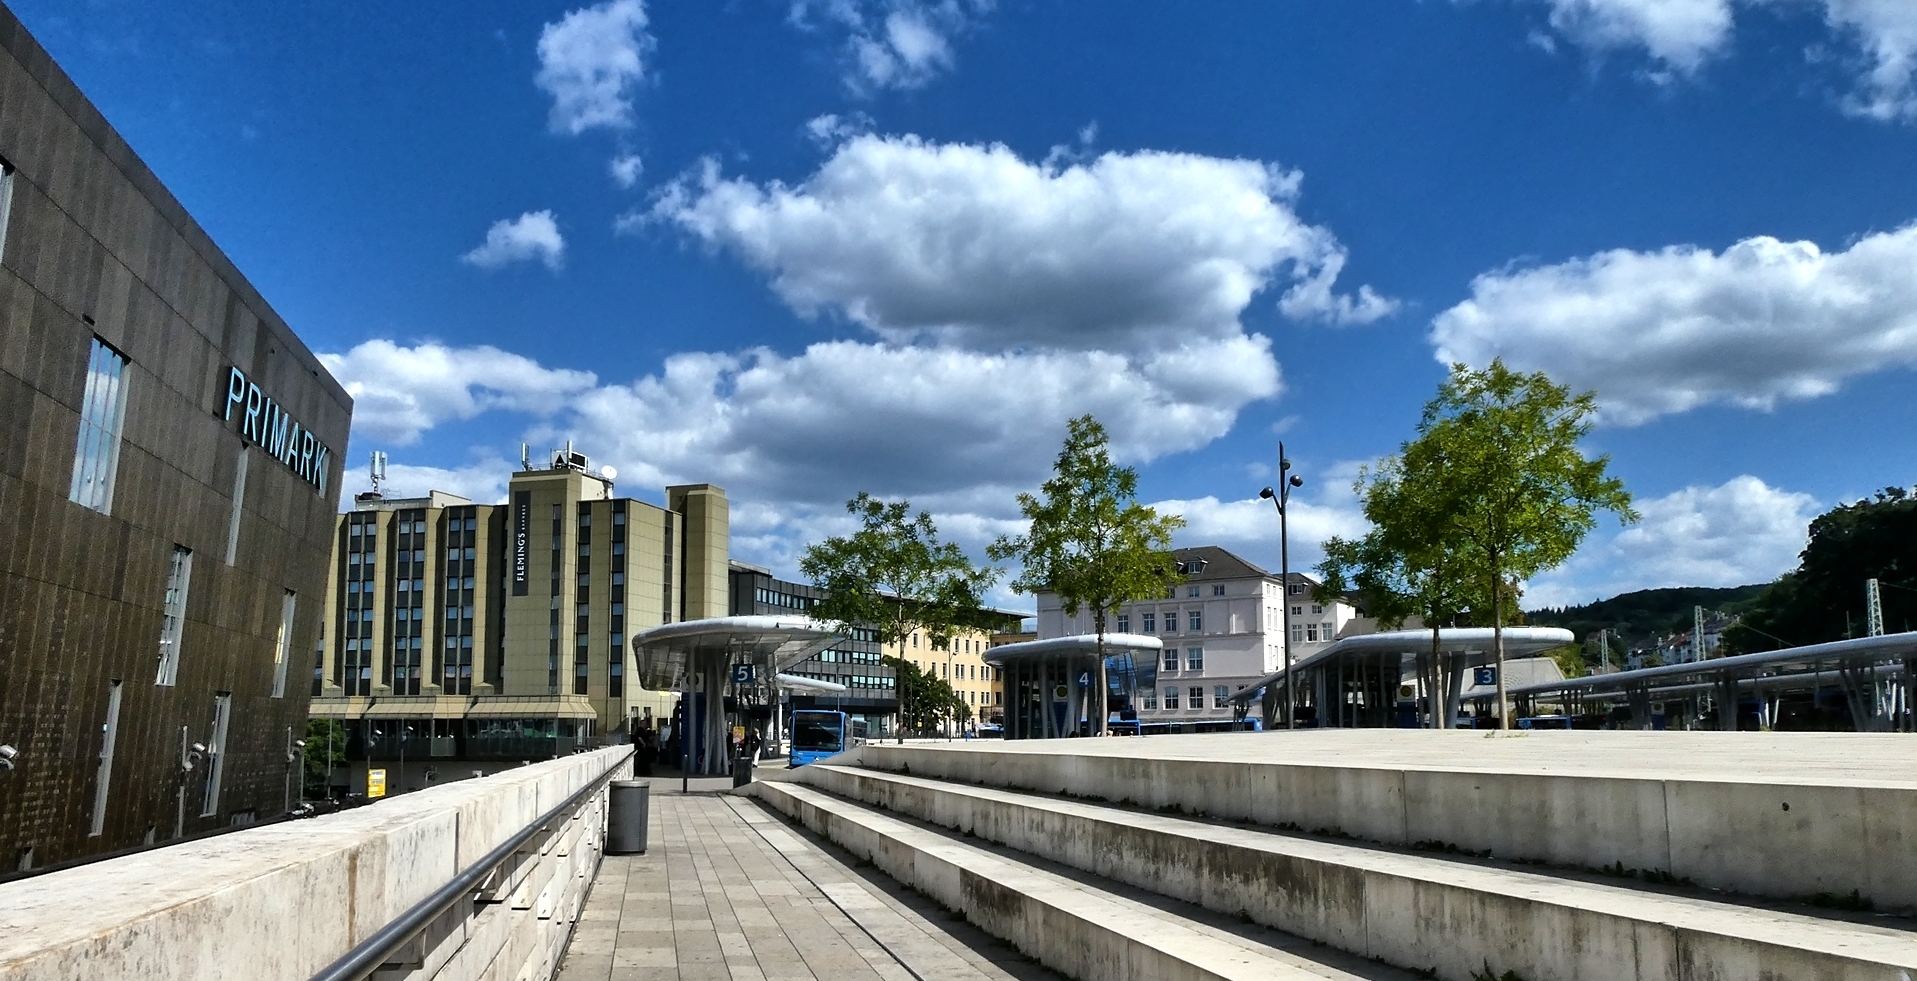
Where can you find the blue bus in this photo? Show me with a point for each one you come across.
(817, 734)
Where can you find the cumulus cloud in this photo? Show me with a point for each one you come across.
(482, 481)
(626, 169)
(1680, 36)
(401, 392)
(589, 61)
(1763, 321)
(533, 235)
(892, 44)
(972, 245)
(1740, 532)
(1249, 526)
(831, 129)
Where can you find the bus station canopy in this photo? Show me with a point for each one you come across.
(1472, 642)
(1809, 660)
(1078, 645)
(670, 655)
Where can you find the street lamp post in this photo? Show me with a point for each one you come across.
(1279, 498)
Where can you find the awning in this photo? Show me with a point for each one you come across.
(418, 707)
(557, 707)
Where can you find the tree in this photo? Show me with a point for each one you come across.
(325, 749)
(1498, 452)
(1823, 598)
(1091, 543)
(1404, 567)
(894, 576)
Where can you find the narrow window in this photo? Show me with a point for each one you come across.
(1197, 621)
(216, 753)
(1195, 658)
(173, 614)
(1219, 695)
(96, 458)
(1171, 658)
(1150, 621)
(1124, 624)
(282, 647)
(239, 499)
(6, 203)
(1197, 698)
(103, 776)
(1171, 699)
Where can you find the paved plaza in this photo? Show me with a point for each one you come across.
(728, 891)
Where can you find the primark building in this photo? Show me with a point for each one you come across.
(169, 484)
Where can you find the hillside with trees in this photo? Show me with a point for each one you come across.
(1647, 612)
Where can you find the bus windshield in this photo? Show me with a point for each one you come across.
(818, 733)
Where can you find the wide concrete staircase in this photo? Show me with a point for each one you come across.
(1102, 891)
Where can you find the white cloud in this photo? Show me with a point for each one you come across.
(832, 129)
(1681, 35)
(1740, 532)
(482, 481)
(1659, 332)
(401, 392)
(972, 245)
(893, 44)
(626, 169)
(533, 235)
(1249, 526)
(589, 60)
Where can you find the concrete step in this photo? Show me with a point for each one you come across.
(1080, 925)
(1411, 909)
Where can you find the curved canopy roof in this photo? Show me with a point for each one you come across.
(1854, 652)
(1518, 642)
(1078, 645)
(669, 653)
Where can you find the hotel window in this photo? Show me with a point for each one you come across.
(1194, 659)
(1219, 695)
(1171, 658)
(1171, 699)
(282, 647)
(1197, 698)
(96, 457)
(179, 576)
(1124, 624)
(1197, 621)
(1150, 621)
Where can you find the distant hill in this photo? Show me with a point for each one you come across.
(1647, 612)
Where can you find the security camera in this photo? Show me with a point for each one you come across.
(7, 753)
(199, 749)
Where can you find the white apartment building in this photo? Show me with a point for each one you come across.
(1221, 628)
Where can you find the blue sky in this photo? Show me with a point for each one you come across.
(803, 249)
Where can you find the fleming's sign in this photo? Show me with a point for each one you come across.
(267, 423)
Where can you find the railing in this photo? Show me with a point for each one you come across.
(376, 950)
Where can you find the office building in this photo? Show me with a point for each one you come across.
(872, 695)
(169, 473)
(1222, 630)
(465, 636)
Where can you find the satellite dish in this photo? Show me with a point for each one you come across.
(610, 473)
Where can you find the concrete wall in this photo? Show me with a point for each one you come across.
(282, 901)
(1759, 838)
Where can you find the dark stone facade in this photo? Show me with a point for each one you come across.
(95, 250)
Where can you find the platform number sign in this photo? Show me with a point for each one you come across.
(1084, 679)
(1485, 677)
(742, 674)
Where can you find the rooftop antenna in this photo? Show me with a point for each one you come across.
(378, 469)
(525, 457)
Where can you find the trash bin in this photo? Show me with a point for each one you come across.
(741, 770)
(626, 817)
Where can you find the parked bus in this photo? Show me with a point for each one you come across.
(817, 734)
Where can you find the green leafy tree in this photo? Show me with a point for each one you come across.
(325, 749)
(926, 701)
(1823, 598)
(1498, 452)
(895, 576)
(1404, 567)
(1091, 543)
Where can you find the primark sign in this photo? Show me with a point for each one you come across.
(268, 424)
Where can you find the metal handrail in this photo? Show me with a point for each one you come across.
(372, 952)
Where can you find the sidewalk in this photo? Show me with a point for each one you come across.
(728, 891)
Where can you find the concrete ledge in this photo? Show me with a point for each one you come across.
(1413, 911)
(284, 900)
(1784, 815)
(1070, 927)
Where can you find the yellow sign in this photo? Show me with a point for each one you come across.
(738, 733)
(375, 783)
